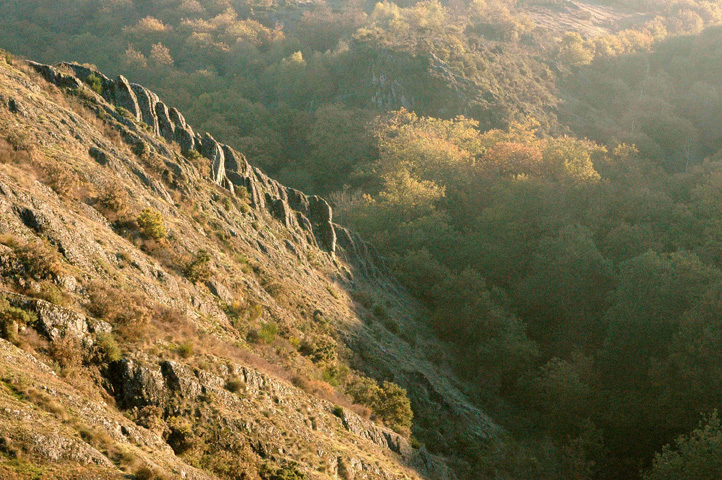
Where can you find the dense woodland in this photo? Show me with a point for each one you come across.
(555, 199)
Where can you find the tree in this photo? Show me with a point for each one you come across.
(694, 457)
(564, 296)
(394, 408)
(341, 143)
(574, 50)
(151, 225)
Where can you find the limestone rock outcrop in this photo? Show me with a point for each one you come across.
(311, 217)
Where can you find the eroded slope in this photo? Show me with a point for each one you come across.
(171, 274)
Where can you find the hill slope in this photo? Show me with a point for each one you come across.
(172, 309)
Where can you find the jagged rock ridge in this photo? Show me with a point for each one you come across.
(312, 215)
(108, 147)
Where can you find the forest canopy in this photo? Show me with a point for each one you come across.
(551, 195)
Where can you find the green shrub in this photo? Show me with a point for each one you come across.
(235, 385)
(181, 437)
(364, 391)
(199, 270)
(12, 319)
(380, 312)
(287, 472)
(268, 332)
(151, 225)
(192, 155)
(319, 349)
(338, 411)
(185, 349)
(40, 260)
(335, 375)
(49, 292)
(109, 348)
(394, 408)
(125, 113)
(239, 312)
(388, 401)
(95, 83)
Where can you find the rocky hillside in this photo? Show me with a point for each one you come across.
(589, 18)
(169, 311)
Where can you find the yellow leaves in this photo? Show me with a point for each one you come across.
(295, 58)
(507, 158)
(575, 51)
(161, 54)
(226, 29)
(569, 158)
(148, 25)
(425, 23)
(519, 153)
(133, 58)
(428, 148)
(409, 196)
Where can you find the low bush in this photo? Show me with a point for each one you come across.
(67, 352)
(63, 180)
(141, 150)
(150, 417)
(125, 113)
(394, 408)
(185, 349)
(12, 320)
(49, 292)
(181, 437)
(388, 401)
(94, 83)
(268, 332)
(287, 472)
(235, 385)
(199, 269)
(114, 201)
(108, 348)
(129, 313)
(240, 312)
(265, 334)
(147, 473)
(319, 348)
(39, 260)
(335, 375)
(150, 223)
(199, 161)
